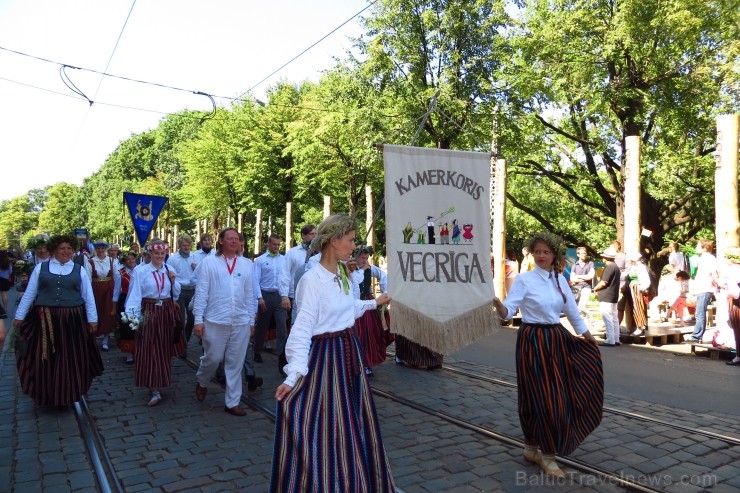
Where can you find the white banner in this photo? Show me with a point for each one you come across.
(438, 243)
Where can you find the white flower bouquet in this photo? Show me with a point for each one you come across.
(132, 320)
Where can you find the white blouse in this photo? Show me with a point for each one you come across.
(29, 296)
(149, 282)
(540, 301)
(323, 307)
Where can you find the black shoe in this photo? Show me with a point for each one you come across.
(253, 383)
(257, 357)
(733, 363)
(182, 355)
(606, 344)
(282, 361)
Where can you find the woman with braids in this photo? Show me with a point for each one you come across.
(327, 434)
(152, 293)
(371, 331)
(57, 357)
(560, 379)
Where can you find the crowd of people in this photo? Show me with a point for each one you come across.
(331, 329)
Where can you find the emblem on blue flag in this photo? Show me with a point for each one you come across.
(144, 211)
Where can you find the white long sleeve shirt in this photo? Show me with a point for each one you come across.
(183, 267)
(294, 258)
(358, 276)
(198, 256)
(267, 271)
(149, 282)
(537, 296)
(29, 296)
(117, 279)
(223, 297)
(323, 307)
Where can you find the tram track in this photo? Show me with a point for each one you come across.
(730, 440)
(102, 466)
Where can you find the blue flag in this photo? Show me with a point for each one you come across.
(144, 210)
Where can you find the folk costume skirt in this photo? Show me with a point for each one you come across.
(327, 435)
(373, 337)
(154, 347)
(103, 293)
(415, 354)
(560, 384)
(58, 358)
(635, 313)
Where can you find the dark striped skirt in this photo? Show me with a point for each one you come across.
(635, 314)
(154, 345)
(560, 383)
(59, 358)
(373, 338)
(103, 293)
(327, 436)
(734, 318)
(415, 354)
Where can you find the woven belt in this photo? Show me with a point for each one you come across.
(155, 299)
(98, 279)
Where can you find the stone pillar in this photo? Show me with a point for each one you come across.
(369, 226)
(727, 223)
(327, 206)
(258, 233)
(289, 242)
(632, 195)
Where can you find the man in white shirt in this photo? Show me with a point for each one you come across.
(704, 286)
(206, 249)
(113, 251)
(267, 270)
(224, 307)
(182, 263)
(294, 258)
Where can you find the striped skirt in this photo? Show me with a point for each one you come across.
(154, 347)
(560, 383)
(415, 354)
(734, 317)
(373, 338)
(103, 293)
(635, 314)
(60, 358)
(327, 436)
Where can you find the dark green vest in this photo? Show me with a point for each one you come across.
(59, 290)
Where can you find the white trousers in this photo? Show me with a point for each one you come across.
(227, 343)
(611, 321)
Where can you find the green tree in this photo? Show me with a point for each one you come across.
(62, 211)
(590, 73)
(18, 220)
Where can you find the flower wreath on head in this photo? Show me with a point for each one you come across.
(21, 267)
(35, 242)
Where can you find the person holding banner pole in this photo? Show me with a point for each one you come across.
(325, 410)
(560, 379)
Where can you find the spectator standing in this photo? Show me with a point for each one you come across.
(704, 286)
(639, 283)
(528, 262)
(325, 413)
(6, 277)
(511, 269)
(224, 307)
(676, 258)
(607, 292)
(581, 276)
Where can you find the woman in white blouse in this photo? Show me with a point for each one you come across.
(56, 356)
(326, 414)
(560, 378)
(153, 291)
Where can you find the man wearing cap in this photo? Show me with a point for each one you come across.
(101, 270)
(607, 292)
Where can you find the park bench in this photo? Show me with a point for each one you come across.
(714, 352)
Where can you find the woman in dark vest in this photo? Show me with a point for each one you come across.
(56, 320)
(372, 332)
(121, 281)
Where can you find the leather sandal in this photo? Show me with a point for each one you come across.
(532, 454)
(548, 464)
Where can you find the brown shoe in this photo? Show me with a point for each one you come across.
(200, 392)
(236, 411)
